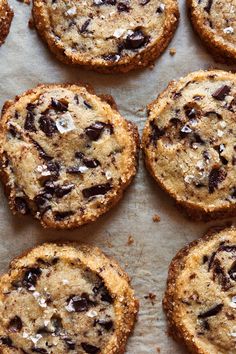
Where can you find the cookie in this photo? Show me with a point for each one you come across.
(214, 22)
(6, 15)
(65, 298)
(107, 35)
(190, 146)
(200, 297)
(66, 155)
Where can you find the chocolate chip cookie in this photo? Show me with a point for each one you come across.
(106, 35)
(6, 15)
(215, 23)
(200, 298)
(65, 298)
(66, 155)
(190, 146)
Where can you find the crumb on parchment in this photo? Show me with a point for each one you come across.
(130, 240)
(172, 51)
(156, 218)
(151, 297)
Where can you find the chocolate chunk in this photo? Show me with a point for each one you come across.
(184, 131)
(205, 325)
(207, 8)
(218, 115)
(54, 168)
(232, 271)
(30, 107)
(91, 163)
(6, 341)
(144, 2)
(122, 7)
(105, 324)
(175, 121)
(212, 312)
(15, 324)
(99, 189)
(39, 350)
(69, 343)
(12, 130)
(41, 151)
(85, 26)
(80, 303)
(111, 57)
(160, 9)
(104, 2)
(59, 105)
(205, 259)
(21, 205)
(91, 349)
(135, 40)
(102, 290)
(63, 190)
(216, 176)
(221, 92)
(61, 215)
(31, 277)
(47, 125)
(41, 200)
(156, 133)
(49, 187)
(29, 122)
(43, 330)
(74, 170)
(95, 130)
(218, 273)
(197, 139)
(79, 155)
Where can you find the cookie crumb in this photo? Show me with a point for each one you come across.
(130, 240)
(151, 297)
(156, 218)
(172, 51)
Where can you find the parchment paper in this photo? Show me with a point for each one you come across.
(25, 62)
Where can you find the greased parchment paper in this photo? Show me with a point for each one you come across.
(24, 63)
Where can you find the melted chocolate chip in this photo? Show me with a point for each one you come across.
(218, 272)
(15, 324)
(39, 350)
(41, 151)
(61, 215)
(69, 343)
(135, 40)
(29, 122)
(156, 133)
(57, 323)
(85, 26)
(87, 105)
(221, 92)
(74, 170)
(80, 303)
(216, 176)
(207, 8)
(105, 324)
(102, 290)
(6, 341)
(41, 200)
(21, 205)
(95, 130)
(99, 189)
(232, 271)
(197, 139)
(111, 57)
(63, 190)
(212, 312)
(79, 155)
(12, 130)
(122, 7)
(205, 259)
(47, 125)
(59, 105)
(31, 277)
(54, 168)
(91, 163)
(49, 187)
(91, 349)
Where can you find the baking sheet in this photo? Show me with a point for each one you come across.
(25, 62)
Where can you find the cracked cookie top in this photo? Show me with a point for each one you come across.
(66, 155)
(190, 145)
(65, 299)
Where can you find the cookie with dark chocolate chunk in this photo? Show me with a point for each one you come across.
(107, 35)
(214, 22)
(65, 298)
(200, 297)
(6, 15)
(189, 143)
(67, 155)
